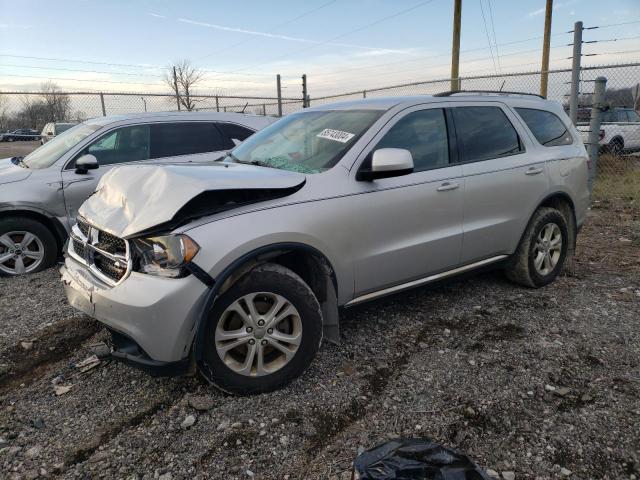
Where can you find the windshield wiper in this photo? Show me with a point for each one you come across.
(257, 163)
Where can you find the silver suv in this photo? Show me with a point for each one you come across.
(40, 193)
(240, 268)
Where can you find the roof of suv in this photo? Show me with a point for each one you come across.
(140, 117)
(386, 103)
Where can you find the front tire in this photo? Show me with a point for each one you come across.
(261, 333)
(26, 246)
(542, 250)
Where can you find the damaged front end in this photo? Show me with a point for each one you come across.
(126, 268)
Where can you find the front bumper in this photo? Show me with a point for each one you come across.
(157, 314)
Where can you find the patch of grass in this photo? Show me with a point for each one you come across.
(618, 177)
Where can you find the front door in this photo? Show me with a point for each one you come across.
(407, 227)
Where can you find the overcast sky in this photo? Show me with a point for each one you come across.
(340, 44)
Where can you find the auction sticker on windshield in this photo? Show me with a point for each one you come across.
(336, 135)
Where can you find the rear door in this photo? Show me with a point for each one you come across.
(503, 181)
(410, 226)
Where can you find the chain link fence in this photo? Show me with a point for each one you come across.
(619, 134)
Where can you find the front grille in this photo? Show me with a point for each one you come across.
(109, 267)
(111, 243)
(106, 255)
(84, 227)
(79, 248)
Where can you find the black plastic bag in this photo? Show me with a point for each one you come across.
(415, 459)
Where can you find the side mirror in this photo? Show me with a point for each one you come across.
(388, 162)
(85, 163)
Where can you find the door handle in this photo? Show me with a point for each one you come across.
(533, 171)
(448, 186)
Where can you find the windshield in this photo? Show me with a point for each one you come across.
(306, 142)
(46, 155)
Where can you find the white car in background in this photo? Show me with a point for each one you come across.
(53, 129)
(619, 130)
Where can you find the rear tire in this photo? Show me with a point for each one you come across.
(26, 246)
(275, 321)
(542, 250)
(616, 146)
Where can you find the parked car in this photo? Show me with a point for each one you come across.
(241, 266)
(40, 193)
(21, 134)
(52, 129)
(619, 130)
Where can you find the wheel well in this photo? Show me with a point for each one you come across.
(563, 203)
(308, 264)
(618, 139)
(53, 224)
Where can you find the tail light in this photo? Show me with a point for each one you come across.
(601, 134)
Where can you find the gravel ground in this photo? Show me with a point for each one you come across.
(541, 383)
(12, 149)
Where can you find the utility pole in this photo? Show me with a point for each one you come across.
(455, 49)
(575, 72)
(175, 86)
(304, 91)
(544, 70)
(279, 89)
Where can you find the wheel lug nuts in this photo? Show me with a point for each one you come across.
(252, 341)
(261, 322)
(270, 331)
(249, 329)
(263, 342)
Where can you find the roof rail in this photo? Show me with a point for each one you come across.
(500, 92)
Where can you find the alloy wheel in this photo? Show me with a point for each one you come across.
(20, 252)
(258, 334)
(547, 249)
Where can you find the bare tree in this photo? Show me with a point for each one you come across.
(183, 82)
(58, 104)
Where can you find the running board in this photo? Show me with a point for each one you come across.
(422, 281)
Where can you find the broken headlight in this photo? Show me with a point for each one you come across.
(164, 256)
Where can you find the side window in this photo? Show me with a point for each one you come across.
(484, 133)
(633, 116)
(424, 134)
(607, 117)
(126, 144)
(233, 132)
(185, 138)
(546, 127)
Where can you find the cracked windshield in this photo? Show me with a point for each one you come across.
(307, 142)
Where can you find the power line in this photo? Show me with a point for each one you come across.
(495, 39)
(614, 24)
(83, 71)
(80, 80)
(280, 25)
(90, 62)
(337, 37)
(419, 59)
(486, 31)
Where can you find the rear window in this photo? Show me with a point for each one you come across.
(546, 127)
(188, 138)
(485, 133)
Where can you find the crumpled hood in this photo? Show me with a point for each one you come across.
(132, 199)
(10, 173)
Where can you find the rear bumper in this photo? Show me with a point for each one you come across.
(158, 315)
